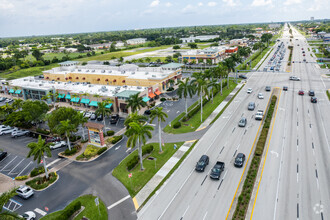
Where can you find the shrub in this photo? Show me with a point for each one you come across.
(110, 133)
(70, 210)
(132, 162)
(147, 149)
(36, 171)
(101, 150)
(84, 141)
(162, 99)
(42, 131)
(21, 177)
(68, 152)
(177, 125)
(170, 89)
(91, 151)
(115, 139)
(42, 182)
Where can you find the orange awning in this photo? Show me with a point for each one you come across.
(158, 92)
(151, 95)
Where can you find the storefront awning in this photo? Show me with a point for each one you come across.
(84, 101)
(108, 105)
(68, 96)
(60, 96)
(151, 95)
(76, 99)
(93, 103)
(158, 92)
(18, 91)
(146, 99)
(11, 91)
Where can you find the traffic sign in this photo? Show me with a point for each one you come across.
(97, 201)
(130, 175)
(46, 208)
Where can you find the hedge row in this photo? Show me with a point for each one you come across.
(70, 210)
(114, 139)
(135, 159)
(21, 177)
(43, 131)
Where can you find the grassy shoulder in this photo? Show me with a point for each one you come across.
(260, 55)
(328, 94)
(151, 167)
(91, 211)
(245, 196)
(194, 122)
(32, 71)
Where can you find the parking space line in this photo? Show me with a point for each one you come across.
(24, 169)
(16, 166)
(8, 163)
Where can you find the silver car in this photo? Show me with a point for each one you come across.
(251, 106)
(19, 133)
(242, 122)
(260, 96)
(25, 192)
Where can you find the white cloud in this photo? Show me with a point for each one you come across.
(6, 5)
(230, 2)
(292, 2)
(168, 4)
(154, 3)
(189, 9)
(200, 4)
(261, 2)
(211, 4)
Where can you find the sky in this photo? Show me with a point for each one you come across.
(46, 17)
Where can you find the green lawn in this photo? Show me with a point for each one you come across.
(194, 122)
(260, 56)
(319, 55)
(140, 178)
(32, 71)
(315, 41)
(91, 210)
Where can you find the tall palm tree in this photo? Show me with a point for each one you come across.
(221, 71)
(4, 199)
(38, 151)
(82, 121)
(137, 134)
(230, 65)
(185, 89)
(161, 117)
(66, 127)
(135, 102)
(213, 84)
(102, 110)
(201, 88)
(135, 117)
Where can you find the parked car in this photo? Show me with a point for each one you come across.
(19, 133)
(249, 90)
(267, 88)
(3, 154)
(242, 122)
(202, 163)
(52, 139)
(114, 118)
(260, 96)
(313, 99)
(2, 99)
(87, 114)
(239, 160)
(285, 88)
(147, 112)
(57, 145)
(29, 215)
(7, 130)
(311, 93)
(251, 106)
(25, 192)
(9, 100)
(242, 76)
(301, 92)
(93, 116)
(100, 117)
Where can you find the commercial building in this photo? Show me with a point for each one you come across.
(239, 42)
(192, 39)
(213, 54)
(136, 41)
(231, 50)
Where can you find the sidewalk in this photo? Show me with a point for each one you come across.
(190, 138)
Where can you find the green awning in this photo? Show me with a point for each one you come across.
(68, 96)
(60, 96)
(93, 103)
(84, 101)
(76, 99)
(18, 91)
(146, 99)
(108, 105)
(11, 91)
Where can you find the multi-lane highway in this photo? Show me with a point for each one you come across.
(295, 180)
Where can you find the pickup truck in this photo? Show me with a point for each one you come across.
(259, 115)
(217, 170)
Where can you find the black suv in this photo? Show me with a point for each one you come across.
(239, 160)
(202, 163)
(114, 119)
(3, 154)
(100, 117)
(268, 88)
(311, 93)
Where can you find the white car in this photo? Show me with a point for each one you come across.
(249, 90)
(25, 192)
(57, 145)
(260, 96)
(7, 130)
(19, 133)
(87, 114)
(29, 215)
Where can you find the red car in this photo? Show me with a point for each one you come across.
(301, 92)
(303, 54)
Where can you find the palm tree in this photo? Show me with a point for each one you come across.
(137, 134)
(201, 88)
(38, 151)
(161, 117)
(185, 89)
(66, 127)
(135, 117)
(4, 199)
(230, 65)
(135, 102)
(214, 84)
(102, 110)
(82, 121)
(220, 72)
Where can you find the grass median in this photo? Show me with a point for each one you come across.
(195, 121)
(140, 178)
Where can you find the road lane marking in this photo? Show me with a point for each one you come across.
(117, 147)
(8, 163)
(297, 210)
(119, 201)
(263, 166)
(55, 161)
(204, 180)
(205, 216)
(41, 212)
(24, 169)
(185, 212)
(136, 205)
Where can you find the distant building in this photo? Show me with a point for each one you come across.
(99, 46)
(326, 38)
(215, 54)
(239, 42)
(136, 41)
(192, 39)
